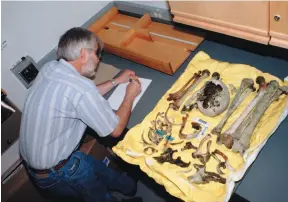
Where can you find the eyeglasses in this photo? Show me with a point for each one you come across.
(98, 52)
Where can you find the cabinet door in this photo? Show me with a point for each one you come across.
(247, 20)
(279, 23)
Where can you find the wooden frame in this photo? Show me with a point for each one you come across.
(153, 44)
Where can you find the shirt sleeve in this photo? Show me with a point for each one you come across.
(96, 112)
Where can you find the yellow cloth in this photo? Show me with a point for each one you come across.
(175, 182)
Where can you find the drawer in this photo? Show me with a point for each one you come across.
(279, 23)
(240, 19)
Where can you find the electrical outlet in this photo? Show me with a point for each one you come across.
(29, 73)
(26, 71)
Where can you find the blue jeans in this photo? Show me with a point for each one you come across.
(85, 177)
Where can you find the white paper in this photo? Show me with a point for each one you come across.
(117, 96)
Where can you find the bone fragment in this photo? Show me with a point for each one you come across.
(167, 118)
(222, 164)
(153, 137)
(150, 150)
(144, 142)
(188, 146)
(203, 157)
(189, 135)
(204, 177)
(167, 156)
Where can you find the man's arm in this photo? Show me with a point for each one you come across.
(122, 78)
(105, 87)
(124, 111)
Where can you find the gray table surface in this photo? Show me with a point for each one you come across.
(267, 178)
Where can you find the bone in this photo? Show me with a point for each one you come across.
(144, 142)
(188, 106)
(204, 177)
(188, 146)
(167, 118)
(261, 90)
(245, 88)
(150, 150)
(203, 157)
(232, 89)
(272, 94)
(189, 135)
(222, 164)
(167, 156)
(205, 74)
(177, 94)
(184, 120)
(154, 138)
(214, 100)
(175, 143)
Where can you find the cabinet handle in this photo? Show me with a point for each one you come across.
(9, 141)
(277, 17)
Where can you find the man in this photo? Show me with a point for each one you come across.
(60, 105)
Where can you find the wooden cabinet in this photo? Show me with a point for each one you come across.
(250, 20)
(279, 24)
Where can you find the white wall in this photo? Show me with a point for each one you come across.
(34, 28)
(157, 4)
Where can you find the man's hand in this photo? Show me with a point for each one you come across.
(133, 89)
(124, 76)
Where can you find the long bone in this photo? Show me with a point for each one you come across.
(177, 103)
(203, 177)
(188, 106)
(203, 157)
(245, 88)
(272, 94)
(261, 91)
(177, 94)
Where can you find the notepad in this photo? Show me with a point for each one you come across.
(117, 96)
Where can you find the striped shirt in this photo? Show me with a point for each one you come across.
(58, 108)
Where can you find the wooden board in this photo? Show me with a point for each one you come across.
(158, 46)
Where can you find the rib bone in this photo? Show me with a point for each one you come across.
(262, 88)
(194, 84)
(272, 94)
(245, 88)
(168, 119)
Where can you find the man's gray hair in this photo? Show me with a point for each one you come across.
(73, 40)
